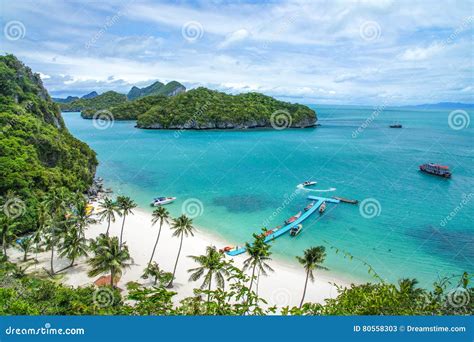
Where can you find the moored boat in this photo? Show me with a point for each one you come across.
(296, 230)
(309, 206)
(293, 218)
(309, 183)
(396, 125)
(322, 207)
(436, 169)
(346, 200)
(162, 200)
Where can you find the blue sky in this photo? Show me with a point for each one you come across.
(339, 52)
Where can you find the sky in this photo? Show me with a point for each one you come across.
(370, 52)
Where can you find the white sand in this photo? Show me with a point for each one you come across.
(282, 287)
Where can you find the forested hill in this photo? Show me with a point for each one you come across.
(203, 108)
(37, 152)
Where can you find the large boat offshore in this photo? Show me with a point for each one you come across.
(436, 169)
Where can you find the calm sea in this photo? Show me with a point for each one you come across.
(410, 224)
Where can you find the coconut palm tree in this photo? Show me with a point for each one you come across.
(211, 264)
(25, 244)
(153, 270)
(43, 219)
(162, 215)
(74, 246)
(125, 205)
(107, 211)
(182, 226)
(7, 225)
(259, 256)
(312, 259)
(109, 256)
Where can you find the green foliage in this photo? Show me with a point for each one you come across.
(203, 108)
(103, 101)
(37, 153)
(130, 110)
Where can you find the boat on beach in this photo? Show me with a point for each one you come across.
(162, 200)
(436, 169)
(296, 230)
(293, 218)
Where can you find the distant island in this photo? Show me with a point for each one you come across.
(442, 105)
(170, 106)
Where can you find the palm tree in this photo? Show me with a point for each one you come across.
(125, 204)
(25, 244)
(182, 226)
(58, 204)
(43, 219)
(107, 211)
(109, 256)
(7, 225)
(312, 259)
(259, 255)
(74, 246)
(153, 270)
(210, 264)
(162, 215)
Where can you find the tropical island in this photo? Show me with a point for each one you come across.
(56, 240)
(169, 106)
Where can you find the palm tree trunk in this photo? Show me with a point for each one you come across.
(52, 260)
(253, 275)
(4, 245)
(121, 232)
(304, 291)
(156, 243)
(208, 295)
(112, 275)
(176, 263)
(108, 227)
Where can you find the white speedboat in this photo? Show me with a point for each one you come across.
(162, 200)
(309, 183)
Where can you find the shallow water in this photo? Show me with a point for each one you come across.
(245, 180)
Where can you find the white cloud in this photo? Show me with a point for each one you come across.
(234, 37)
(420, 53)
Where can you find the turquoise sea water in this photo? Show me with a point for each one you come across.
(244, 180)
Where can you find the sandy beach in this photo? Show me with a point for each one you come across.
(282, 287)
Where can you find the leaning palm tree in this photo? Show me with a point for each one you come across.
(211, 264)
(162, 215)
(259, 256)
(74, 246)
(125, 205)
(7, 226)
(107, 211)
(182, 226)
(312, 259)
(109, 256)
